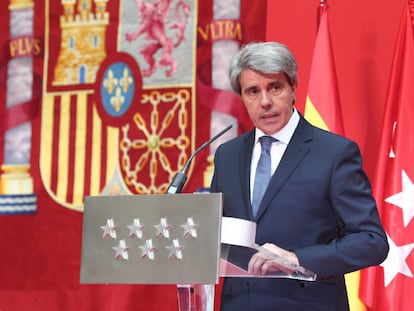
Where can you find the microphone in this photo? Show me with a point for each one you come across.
(180, 178)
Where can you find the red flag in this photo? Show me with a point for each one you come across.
(390, 286)
(322, 103)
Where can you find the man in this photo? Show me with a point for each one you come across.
(317, 210)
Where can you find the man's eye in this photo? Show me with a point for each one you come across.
(252, 92)
(276, 88)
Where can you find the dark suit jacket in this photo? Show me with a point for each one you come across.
(318, 204)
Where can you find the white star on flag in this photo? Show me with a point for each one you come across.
(396, 261)
(404, 199)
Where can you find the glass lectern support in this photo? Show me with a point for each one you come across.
(195, 297)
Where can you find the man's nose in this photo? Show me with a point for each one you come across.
(266, 99)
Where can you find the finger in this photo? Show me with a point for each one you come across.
(255, 264)
(275, 266)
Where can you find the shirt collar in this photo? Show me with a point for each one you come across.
(286, 133)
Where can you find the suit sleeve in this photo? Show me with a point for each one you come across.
(361, 240)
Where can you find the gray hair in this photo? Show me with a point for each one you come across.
(264, 57)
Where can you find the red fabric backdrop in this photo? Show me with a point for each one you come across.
(40, 253)
(363, 36)
(40, 264)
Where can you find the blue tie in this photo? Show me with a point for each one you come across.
(262, 177)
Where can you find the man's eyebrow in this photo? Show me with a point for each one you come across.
(247, 88)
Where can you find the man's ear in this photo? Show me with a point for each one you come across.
(293, 94)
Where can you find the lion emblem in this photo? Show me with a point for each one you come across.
(153, 21)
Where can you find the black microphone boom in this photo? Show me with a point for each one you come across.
(180, 178)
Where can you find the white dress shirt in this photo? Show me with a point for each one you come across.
(278, 148)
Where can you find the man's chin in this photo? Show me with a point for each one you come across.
(269, 126)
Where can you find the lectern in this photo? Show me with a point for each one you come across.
(168, 239)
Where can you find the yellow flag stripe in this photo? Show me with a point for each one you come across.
(46, 141)
(96, 158)
(352, 286)
(313, 116)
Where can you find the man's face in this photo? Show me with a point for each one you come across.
(268, 99)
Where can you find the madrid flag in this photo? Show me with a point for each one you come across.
(389, 287)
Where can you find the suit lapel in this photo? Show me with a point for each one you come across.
(298, 147)
(244, 171)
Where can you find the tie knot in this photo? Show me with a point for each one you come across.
(266, 142)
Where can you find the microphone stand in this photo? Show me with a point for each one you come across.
(180, 178)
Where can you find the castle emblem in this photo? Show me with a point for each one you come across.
(83, 27)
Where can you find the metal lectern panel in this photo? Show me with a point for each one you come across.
(151, 239)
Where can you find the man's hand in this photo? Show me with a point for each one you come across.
(272, 259)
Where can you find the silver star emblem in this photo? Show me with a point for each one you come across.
(175, 250)
(190, 228)
(163, 228)
(135, 229)
(109, 230)
(148, 250)
(121, 250)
